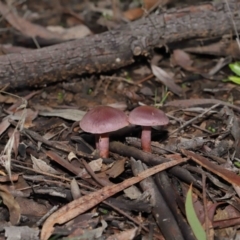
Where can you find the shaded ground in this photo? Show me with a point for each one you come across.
(54, 164)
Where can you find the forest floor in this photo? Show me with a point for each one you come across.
(54, 185)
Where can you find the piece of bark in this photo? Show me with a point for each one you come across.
(163, 182)
(133, 205)
(152, 159)
(117, 48)
(161, 212)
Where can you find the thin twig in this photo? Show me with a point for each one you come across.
(195, 118)
(43, 218)
(93, 175)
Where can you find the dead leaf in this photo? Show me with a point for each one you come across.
(71, 156)
(4, 125)
(90, 234)
(222, 62)
(182, 59)
(133, 14)
(21, 232)
(199, 102)
(148, 4)
(30, 207)
(42, 166)
(221, 48)
(9, 48)
(24, 115)
(14, 178)
(222, 214)
(95, 165)
(166, 79)
(55, 157)
(132, 192)
(76, 32)
(69, 114)
(24, 26)
(21, 101)
(227, 175)
(86, 202)
(11, 204)
(7, 99)
(75, 190)
(124, 235)
(117, 168)
(16, 140)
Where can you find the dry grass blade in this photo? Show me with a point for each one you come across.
(84, 203)
(5, 157)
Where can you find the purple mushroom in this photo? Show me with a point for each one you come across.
(100, 121)
(147, 116)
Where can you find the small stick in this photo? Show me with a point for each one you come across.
(43, 218)
(195, 118)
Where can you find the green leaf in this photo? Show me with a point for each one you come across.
(234, 79)
(192, 217)
(237, 164)
(235, 67)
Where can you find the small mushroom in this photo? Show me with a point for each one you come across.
(147, 116)
(100, 121)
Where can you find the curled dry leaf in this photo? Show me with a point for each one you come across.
(12, 205)
(71, 156)
(86, 202)
(75, 190)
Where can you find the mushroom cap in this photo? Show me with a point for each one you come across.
(103, 119)
(148, 116)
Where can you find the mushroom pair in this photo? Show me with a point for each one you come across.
(102, 120)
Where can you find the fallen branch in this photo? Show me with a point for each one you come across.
(117, 48)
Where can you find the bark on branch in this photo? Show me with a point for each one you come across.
(117, 48)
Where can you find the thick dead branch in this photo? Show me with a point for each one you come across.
(117, 48)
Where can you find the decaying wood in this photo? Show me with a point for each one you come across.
(117, 48)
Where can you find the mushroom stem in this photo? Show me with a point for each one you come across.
(146, 138)
(97, 136)
(103, 145)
